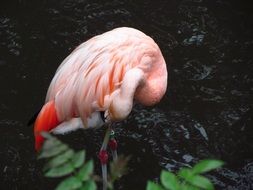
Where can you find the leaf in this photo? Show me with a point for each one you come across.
(60, 171)
(89, 185)
(53, 151)
(206, 165)
(49, 143)
(118, 167)
(186, 174)
(153, 186)
(60, 159)
(69, 184)
(109, 185)
(85, 171)
(169, 180)
(47, 135)
(78, 159)
(188, 187)
(202, 182)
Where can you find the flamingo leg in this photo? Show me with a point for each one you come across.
(103, 156)
(113, 145)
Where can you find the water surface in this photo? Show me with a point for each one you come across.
(206, 112)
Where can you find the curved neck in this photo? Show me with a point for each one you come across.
(122, 102)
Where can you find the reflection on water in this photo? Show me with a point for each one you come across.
(206, 113)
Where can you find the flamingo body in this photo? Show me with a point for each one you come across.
(106, 73)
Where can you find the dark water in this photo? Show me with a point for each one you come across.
(206, 113)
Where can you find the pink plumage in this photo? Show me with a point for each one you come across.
(106, 73)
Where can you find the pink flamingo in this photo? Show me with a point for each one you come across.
(98, 82)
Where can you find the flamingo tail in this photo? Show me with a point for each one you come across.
(47, 120)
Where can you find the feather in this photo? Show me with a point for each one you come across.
(88, 77)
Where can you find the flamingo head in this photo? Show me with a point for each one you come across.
(151, 91)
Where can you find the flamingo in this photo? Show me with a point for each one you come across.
(98, 83)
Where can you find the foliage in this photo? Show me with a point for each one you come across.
(117, 169)
(62, 161)
(187, 178)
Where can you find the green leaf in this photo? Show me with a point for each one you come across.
(60, 171)
(69, 184)
(47, 135)
(118, 167)
(153, 186)
(188, 187)
(186, 174)
(86, 171)
(78, 159)
(169, 180)
(109, 185)
(59, 160)
(89, 185)
(53, 151)
(202, 182)
(49, 143)
(206, 165)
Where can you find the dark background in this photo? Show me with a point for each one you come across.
(206, 112)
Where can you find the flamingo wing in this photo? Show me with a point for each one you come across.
(89, 76)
